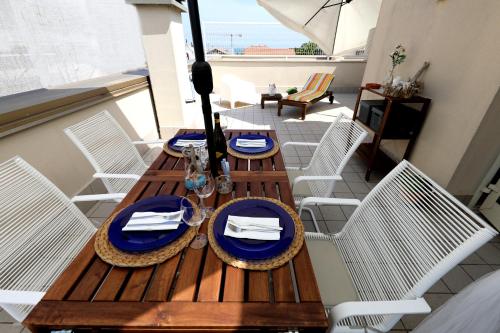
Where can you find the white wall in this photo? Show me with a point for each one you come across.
(51, 152)
(163, 40)
(49, 43)
(355, 21)
(258, 73)
(460, 39)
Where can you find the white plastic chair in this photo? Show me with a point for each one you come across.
(402, 238)
(332, 153)
(110, 151)
(41, 231)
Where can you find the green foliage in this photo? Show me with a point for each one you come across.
(398, 56)
(290, 91)
(309, 48)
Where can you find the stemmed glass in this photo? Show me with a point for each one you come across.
(190, 207)
(204, 187)
(224, 120)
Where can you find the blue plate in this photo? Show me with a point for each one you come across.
(252, 150)
(143, 241)
(249, 249)
(188, 136)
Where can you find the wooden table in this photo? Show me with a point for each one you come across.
(194, 290)
(266, 97)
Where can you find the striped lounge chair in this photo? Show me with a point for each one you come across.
(314, 90)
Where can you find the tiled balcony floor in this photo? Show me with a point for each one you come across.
(331, 219)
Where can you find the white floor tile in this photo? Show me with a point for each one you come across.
(103, 210)
(6, 318)
(476, 271)
(11, 328)
(457, 279)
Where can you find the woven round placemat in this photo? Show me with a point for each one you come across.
(267, 154)
(110, 254)
(259, 265)
(169, 151)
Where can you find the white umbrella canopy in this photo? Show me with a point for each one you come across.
(316, 19)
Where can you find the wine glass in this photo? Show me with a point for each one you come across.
(204, 187)
(203, 153)
(224, 123)
(190, 208)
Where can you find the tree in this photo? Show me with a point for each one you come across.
(309, 48)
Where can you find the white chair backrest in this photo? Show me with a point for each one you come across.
(335, 149)
(41, 231)
(406, 234)
(108, 148)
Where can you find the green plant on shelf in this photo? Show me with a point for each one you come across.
(397, 56)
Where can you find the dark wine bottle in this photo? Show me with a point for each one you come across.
(220, 141)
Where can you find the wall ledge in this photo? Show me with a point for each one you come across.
(24, 110)
(291, 59)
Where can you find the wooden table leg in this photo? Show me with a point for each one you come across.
(377, 139)
(357, 104)
(262, 102)
(304, 110)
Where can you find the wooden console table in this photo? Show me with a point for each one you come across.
(380, 133)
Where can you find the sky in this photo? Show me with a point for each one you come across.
(243, 35)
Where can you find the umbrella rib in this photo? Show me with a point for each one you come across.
(333, 4)
(326, 3)
(336, 27)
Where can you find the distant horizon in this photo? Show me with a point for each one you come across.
(247, 22)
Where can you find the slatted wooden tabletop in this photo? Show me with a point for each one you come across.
(194, 290)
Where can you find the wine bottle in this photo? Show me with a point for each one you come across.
(219, 140)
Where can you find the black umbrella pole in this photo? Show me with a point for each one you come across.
(207, 118)
(202, 81)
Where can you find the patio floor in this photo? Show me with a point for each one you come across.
(331, 219)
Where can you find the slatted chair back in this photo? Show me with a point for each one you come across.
(109, 149)
(41, 231)
(407, 233)
(335, 149)
(315, 87)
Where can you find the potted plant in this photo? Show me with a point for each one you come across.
(397, 56)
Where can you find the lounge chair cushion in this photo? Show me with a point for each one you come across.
(315, 87)
(334, 281)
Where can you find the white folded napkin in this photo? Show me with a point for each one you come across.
(253, 234)
(149, 221)
(251, 143)
(186, 143)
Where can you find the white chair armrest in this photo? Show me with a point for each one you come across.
(148, 142)
(98, 197)
(366, 308)
(331, 201)
(116, 175)
(327, 201)
(317, 236)
(296, 143)
(314, 178)
(20, 297)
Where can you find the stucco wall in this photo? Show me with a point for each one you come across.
(49, 43)
(355, 21)
(50, 151)
(163, 41)
(460, 39)
(481, 153)
(285, 73)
